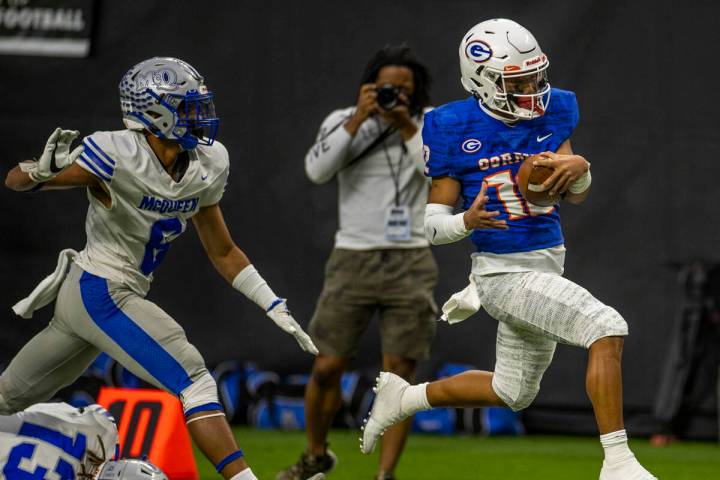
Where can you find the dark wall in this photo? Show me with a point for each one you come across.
(643, 72)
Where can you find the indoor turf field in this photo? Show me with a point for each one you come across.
(476, 458)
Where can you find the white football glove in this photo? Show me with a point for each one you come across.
(283, 319)
(55, 158)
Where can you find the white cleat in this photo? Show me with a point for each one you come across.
(319, 476)
(385, 410)
(629, 469)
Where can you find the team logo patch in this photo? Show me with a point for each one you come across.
(478, 51)
(164, 79)
(471, 145)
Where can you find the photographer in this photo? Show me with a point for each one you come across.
(381, 262)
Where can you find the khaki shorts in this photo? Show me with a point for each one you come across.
(398, 284)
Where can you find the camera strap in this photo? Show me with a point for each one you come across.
(380, 139)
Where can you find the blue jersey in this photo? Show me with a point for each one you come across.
(465, 143)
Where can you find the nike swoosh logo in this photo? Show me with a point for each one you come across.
(53, 164)
(434, 233)
(203, 177)
(540, 139)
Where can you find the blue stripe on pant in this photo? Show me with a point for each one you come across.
(130, 336)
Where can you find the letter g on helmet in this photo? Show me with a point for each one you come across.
(168, 97)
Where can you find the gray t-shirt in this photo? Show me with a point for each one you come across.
(366, 188)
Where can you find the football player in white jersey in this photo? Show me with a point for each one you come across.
(69, 442)
(143, 184)
(66, 442)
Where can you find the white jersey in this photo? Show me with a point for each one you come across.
(55, 441)
(126, 242)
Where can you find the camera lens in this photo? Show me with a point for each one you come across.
(387, 96)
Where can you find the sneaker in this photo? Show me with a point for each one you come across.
(385, 411)
(310, 467)
(629, 469)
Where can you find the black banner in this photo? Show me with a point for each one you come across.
(58, 28)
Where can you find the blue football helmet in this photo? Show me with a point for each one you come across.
(168, 98)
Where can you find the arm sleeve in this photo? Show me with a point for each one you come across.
(330, 152)
(441, 226)
(435, 148)
(97, 156)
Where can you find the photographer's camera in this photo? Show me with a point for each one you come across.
(388, 96)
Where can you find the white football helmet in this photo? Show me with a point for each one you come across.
(130, 469)
(168, 97)
(502, 65)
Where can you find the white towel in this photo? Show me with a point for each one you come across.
(462, 304)
(47, 290)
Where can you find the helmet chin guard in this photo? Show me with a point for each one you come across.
(502, 65)
(168, 98)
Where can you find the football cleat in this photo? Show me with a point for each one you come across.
(386, 410)
(628, 469)
(310, 467)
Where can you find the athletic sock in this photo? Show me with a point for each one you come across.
(616, 447)
(414, 399)
(246, 474)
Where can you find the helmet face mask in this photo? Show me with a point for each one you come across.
(524, 95)
(502, 65)
(196, 114)
(168, 98)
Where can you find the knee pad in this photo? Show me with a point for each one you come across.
(516, 395)
(201, 395)
(607, 323)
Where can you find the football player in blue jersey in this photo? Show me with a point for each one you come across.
(473, 149)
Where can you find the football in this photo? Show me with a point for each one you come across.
(530, 178)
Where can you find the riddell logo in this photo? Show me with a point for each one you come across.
(535, 61)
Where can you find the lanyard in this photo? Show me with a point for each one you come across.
(395, 175)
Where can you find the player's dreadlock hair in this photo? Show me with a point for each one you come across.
(402, 55)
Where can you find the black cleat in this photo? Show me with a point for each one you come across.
(308, 466)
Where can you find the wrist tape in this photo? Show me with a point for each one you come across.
(252, 285)
(581, 184)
